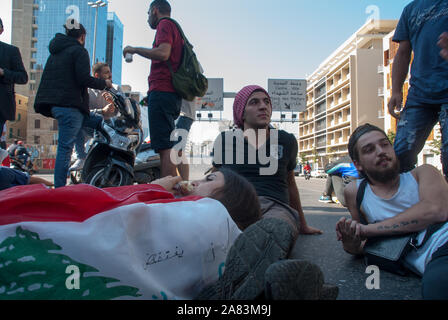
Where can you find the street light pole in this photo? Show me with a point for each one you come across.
(96, 5)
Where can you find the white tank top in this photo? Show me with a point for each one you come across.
(378, 209)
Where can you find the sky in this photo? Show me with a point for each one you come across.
(246, 41)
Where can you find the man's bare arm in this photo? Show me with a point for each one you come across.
(432, 207)
(349, 230)
(295, 203)
(399, 73)
(160, 53)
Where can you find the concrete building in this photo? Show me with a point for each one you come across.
(344, 92)
(16, 130)
(114, 49)
(429, 153)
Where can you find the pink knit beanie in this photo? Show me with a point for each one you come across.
(240, 103)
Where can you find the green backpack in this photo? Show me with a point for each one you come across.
(188, 80)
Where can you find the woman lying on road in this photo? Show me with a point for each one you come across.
(81, 242)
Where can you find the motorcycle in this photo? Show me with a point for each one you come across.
(18, 164)
(307, 174)
(112, 153)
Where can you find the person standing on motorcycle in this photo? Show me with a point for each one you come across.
(164, 103)
(62, 93)
(99, 103)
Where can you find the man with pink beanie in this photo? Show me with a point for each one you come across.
(265, 156)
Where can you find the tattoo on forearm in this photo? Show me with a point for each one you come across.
(396, 226)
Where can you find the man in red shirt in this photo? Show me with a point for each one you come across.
(163, 101)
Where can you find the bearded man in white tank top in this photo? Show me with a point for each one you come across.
(395, 204)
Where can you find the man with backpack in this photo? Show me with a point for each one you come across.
(391, 204)
(164, 102)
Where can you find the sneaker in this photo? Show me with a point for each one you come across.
(326, 199)
(78, 165)
(261, 244)
(297, 280)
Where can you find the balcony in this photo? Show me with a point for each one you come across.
(381, 69)
(380, 92)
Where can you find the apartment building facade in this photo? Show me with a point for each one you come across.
(343, 93)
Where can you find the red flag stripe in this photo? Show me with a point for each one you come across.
(74, 203)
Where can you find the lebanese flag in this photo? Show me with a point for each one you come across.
(133, 242)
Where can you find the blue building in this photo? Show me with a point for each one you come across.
(114, 50)
(51, 17)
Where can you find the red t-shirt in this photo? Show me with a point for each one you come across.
(160, 76)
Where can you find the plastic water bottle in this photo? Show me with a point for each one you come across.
(128, 57)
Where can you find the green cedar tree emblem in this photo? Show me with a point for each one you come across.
(31, 269)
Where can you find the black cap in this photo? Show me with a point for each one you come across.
(358, 133)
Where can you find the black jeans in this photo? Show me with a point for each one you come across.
(435, 278)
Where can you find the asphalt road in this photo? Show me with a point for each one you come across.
(339, 268)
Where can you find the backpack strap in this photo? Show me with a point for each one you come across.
(178, 28)
(359, 197)
(183, 38)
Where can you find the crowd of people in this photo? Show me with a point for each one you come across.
(253, 164)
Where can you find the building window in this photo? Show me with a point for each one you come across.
(10, 133)
(55, 125)
(36, 139)
(321, 107)
(37, 124)
(19, 117)
(18, 133)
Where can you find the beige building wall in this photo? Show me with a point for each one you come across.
(343, 93)
(21, 36)
(16, 130)
(369, 88)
